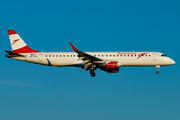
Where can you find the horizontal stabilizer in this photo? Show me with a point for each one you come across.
(13, 54)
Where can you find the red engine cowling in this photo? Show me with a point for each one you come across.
(112, 67)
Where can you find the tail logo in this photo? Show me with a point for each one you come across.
(15, 41)
(141, 55)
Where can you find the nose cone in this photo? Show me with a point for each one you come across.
(172, 62)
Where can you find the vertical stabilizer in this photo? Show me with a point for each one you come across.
(17, 43)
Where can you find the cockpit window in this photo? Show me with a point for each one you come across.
(163, 55)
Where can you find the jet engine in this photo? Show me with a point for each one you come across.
(111, 66)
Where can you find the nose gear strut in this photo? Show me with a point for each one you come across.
(157, 67)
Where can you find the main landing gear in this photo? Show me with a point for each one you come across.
(157, 67)
(92, 67)
(92, 72)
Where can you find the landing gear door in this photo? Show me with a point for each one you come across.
(154, 56)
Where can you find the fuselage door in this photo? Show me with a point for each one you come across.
(154, 56)
(40, 57)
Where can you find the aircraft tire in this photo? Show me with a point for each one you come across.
(92, 73)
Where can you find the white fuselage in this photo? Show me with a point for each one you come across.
(106, 61)
(59, 59)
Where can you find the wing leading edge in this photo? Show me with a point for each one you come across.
(84, 56)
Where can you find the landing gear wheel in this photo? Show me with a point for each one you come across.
(92, 73)
(157, 67)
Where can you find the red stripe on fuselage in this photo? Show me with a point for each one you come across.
(25, 49)
(141, 55)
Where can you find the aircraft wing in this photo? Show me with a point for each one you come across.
(89, 60)
(84, 56)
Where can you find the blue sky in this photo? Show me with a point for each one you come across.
(29, 91)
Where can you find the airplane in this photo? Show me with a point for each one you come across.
(109, 62)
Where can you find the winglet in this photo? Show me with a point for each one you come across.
(73, 47)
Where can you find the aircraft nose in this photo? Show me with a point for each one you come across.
(172, 61)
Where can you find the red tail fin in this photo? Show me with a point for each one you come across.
(17, 43)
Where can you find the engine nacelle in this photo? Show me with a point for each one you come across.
(112, 67)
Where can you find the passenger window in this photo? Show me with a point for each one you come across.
(67, 55)
(113, 55)
(63, 55)
(49, 55)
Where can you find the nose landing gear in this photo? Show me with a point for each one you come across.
(157, 67)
